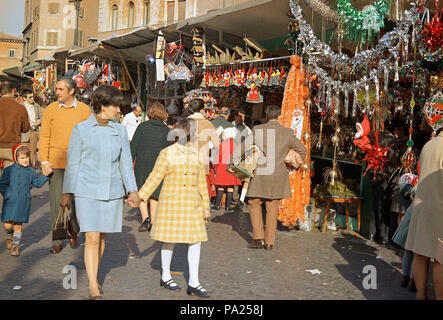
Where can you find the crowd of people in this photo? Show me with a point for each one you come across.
(172, 167)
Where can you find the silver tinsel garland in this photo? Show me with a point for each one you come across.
(316, 50)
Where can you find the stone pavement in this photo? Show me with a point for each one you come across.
(131, 264)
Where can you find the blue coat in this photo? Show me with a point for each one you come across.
(99, 161)
(15, 187)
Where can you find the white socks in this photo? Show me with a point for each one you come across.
(193, 262)
(166, 255)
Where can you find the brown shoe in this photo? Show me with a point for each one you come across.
(9, 242)
(256, 244)
(56, 249)
(268, 247)
(404, 282)
(15, 252)
(73, 242)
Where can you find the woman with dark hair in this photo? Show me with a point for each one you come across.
(149, 139)
(207, 137)
(99, 170)
(183, 204)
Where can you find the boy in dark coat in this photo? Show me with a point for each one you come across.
(15, 187)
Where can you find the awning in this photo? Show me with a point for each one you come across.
(258, 19)
(14, 71)
(31, 67)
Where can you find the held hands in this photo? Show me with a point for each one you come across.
(47, 168)
(133, 199)
(65, 202)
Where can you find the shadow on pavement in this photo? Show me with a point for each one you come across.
(239, 221)
(387, 278)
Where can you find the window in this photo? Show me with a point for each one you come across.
(114, 16)
(51, 38)
(53, 7)
(81, 13)
(131, 14)
(146, 14)
(36, 12)
(11, 53)
(80, 38)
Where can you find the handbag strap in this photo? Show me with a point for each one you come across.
(60, 212)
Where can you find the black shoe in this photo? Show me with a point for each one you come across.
(229, 210)
(215, 208)
(168, 285)
(404, 282)
(146, 225)
(199, 292)
(239, 204)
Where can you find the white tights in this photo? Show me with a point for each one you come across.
(193, 262)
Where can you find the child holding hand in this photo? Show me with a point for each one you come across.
(15, 187)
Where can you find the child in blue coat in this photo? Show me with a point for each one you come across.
(15, 187)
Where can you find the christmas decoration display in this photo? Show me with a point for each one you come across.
(433, 111)
(150, 60)
(361, 25)
(206, 96)
(368, 66)
(295, 105)
(429, 37)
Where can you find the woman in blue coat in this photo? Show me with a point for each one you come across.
(15, 187)
(98, 171)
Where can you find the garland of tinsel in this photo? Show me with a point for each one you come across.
(360, 25)
(382, 56)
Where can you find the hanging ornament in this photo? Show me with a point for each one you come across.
(386, 78)
(354, 103)
(367, 97)
(337, 103)
(346, 106)
(377, 89)
(396, 77)
(433, 111)
(376, 156)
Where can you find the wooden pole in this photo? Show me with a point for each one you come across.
(130, 79)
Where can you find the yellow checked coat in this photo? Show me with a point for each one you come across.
(184, 196)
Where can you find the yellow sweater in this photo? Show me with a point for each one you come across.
(56, 129)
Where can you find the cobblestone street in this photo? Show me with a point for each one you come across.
(131, 264)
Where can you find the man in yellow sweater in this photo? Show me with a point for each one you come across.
(59, 118)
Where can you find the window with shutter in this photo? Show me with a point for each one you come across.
(53, 7)
(51, 39)
(81, 13)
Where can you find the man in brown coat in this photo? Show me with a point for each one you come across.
(13, 121)
(270, 181)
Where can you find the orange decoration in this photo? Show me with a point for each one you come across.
(296, 93)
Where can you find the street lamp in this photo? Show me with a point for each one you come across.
(77, 10)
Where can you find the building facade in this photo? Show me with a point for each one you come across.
(50, 26)
(122, 16)
(11, 51)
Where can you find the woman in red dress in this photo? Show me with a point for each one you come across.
(223, 179)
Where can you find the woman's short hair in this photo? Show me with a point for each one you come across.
(157, 111)
(195, 105)
(105, 96)
(184, 131)
(272, 112)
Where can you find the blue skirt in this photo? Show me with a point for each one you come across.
(98, 215)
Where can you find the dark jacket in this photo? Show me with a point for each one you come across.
(149, 139)
(15, 187)
(221, 122)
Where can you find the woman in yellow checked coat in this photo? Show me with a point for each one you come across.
(183, 204)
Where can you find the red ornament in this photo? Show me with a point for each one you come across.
(376, 156)
(433, 34)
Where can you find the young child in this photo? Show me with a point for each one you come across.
(15, 187)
